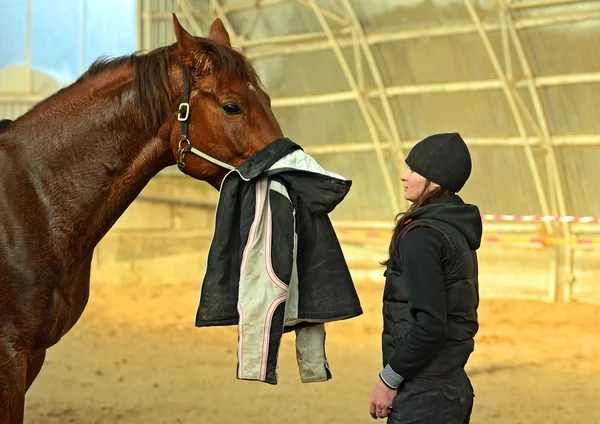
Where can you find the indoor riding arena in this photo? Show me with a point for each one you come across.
(355, 83)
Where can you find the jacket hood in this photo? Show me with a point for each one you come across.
(319, 189)
(451, 209)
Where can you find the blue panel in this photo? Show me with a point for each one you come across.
(56, 38)
(12, 32)
(110, 30)
(63, 30)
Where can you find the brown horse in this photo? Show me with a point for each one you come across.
(71, 166)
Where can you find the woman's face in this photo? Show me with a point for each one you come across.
(414, 185)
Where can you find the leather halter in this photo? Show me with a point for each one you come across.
(185, 146)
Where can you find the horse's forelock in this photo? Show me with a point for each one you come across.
(152, 83)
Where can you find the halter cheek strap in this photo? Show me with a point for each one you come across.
(184, 144)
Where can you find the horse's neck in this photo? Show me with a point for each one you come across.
(89, 157)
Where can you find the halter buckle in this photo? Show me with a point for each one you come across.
(185, 109)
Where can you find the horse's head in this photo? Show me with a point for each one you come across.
(229, 116)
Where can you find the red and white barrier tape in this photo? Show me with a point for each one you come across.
(539, 240)
(536, 218)
(384, 237)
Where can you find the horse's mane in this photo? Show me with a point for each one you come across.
(151, 75)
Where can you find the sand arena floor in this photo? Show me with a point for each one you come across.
(135, 357)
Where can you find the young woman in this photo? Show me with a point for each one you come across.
(431, 294)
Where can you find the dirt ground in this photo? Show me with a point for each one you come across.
(135, 357)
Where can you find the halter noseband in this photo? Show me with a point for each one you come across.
(184, 144)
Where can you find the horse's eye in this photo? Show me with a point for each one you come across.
(232, 109)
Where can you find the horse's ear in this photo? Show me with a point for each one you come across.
(188, 47)
(219, 33)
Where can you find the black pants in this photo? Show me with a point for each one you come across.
(447, 400)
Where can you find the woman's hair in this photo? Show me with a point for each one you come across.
(424, 198)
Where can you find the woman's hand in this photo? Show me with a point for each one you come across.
(381, 400)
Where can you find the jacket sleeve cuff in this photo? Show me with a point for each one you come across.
(390, 378)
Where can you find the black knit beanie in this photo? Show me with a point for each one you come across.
(443, 159)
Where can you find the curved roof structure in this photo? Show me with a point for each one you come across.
(357, 83)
